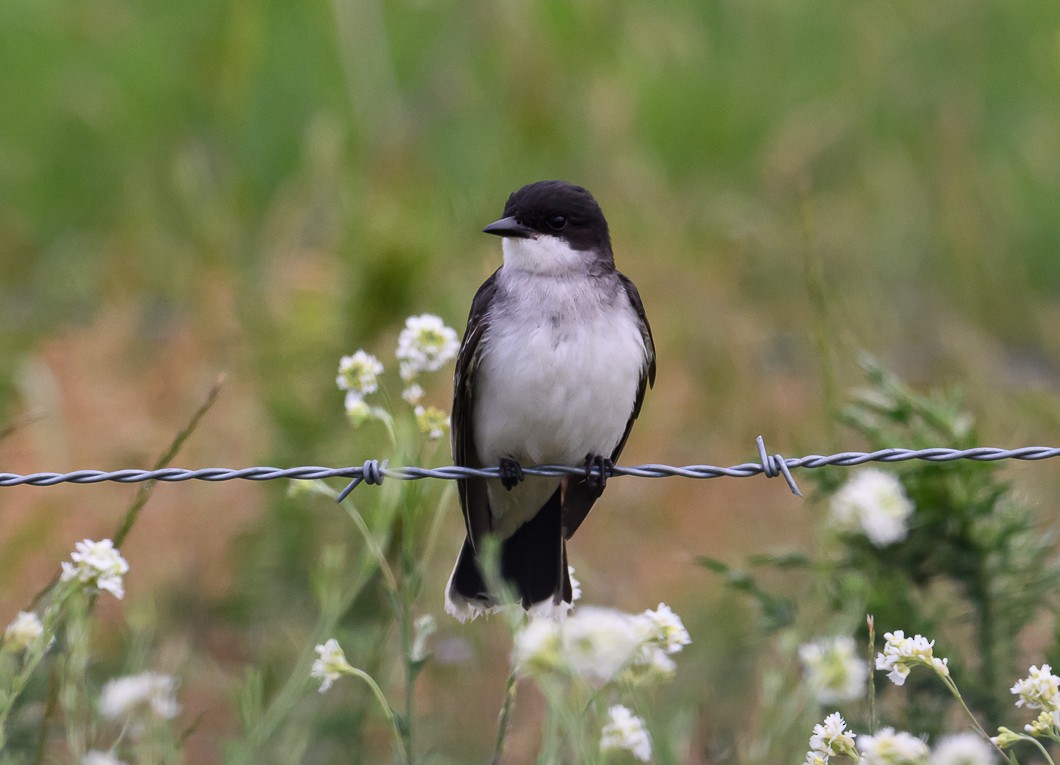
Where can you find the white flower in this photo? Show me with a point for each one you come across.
(625, 731)
(890, 748)
(816, 758)
(537, 647)
(413, 394)
(96, 757)
(901, 654)
(833, 670)
(575, 586)
(1039, 690)
(600, 642)
(432, 422)
(874, 503)
(330, 664)
(963, 749)
(137, 698)
(667, 629)
(425, 345)
(832, 737)
(98, 565)
(358, 374)
(23, 631)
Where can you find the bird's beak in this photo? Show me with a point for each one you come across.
(509, 227)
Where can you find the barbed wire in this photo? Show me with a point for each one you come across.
(375, 471)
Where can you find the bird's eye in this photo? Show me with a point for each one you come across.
(557, 222)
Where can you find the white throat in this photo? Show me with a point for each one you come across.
(543, 255)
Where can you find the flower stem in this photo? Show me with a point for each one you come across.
(399, 738)
(505, 715)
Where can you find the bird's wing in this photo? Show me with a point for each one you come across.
(474, 500)
(578, 496)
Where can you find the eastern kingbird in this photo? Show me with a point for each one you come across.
(552, 370)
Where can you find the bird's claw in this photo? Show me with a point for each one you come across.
(597, 469)
(511, 473)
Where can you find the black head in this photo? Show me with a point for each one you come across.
(555, 208)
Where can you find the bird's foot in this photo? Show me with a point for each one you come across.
(597, 469)
(511, 473)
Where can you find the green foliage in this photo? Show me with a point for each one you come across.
(974, 569)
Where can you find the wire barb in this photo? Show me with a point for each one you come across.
(370, 473)
(776, 465)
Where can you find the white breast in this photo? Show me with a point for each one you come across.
(559, 371)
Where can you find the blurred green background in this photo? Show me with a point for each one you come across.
(190, 188)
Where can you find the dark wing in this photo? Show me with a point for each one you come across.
(474, 501)
(578, 496)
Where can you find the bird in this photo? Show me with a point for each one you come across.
(553, 368)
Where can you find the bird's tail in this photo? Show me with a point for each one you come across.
(533, 563)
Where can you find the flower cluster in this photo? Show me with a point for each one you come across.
(23, 631)
(602, 644)
(432, 422)
(97, 565)
(135, 700)
(1039, 690)
(358, 376)
(833, 670)
(890, 747)
(873, 503)
(830, 739)
(624, 731)
(425, 345)
(901, 654)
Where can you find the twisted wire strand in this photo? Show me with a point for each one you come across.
(374, 471)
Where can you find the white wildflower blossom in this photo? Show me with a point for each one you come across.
(413, 394)
(888, 747)
(833, 670)
(667, 629)
(432, 422)
(599, 642)
(358, 375)
(901, 654)
(139, 698)
(96, 757)
(330, 664)
(538, 646)
(874, 503)
(624, 731)
(816, 758)
(575, 586)
(1039, 690)
(963, 749)
(23, 631)
(832, 737)
(98, 565)
(425, 345)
